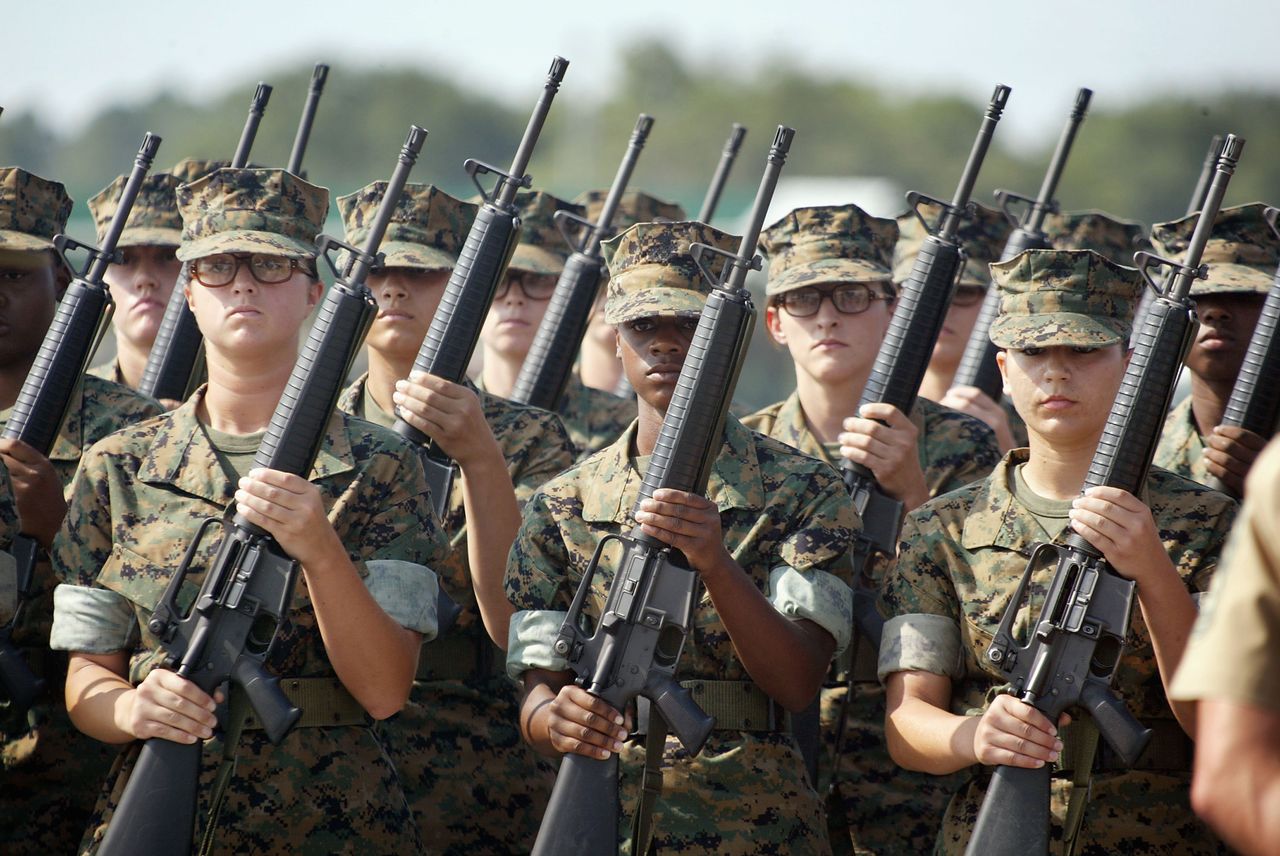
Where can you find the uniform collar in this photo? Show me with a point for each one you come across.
(182, 456)
(735, 480)
(791, 427)
(995, 519)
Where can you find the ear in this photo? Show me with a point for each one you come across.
(315, 290)
(1001, 357)
(617, 342)
(61, 275)
(774, 324)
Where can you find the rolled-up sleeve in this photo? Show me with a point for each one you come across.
(406, 591)
(92, 620)
(816, 595)
(920, 643)
(531, 641)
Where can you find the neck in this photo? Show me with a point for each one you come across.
(132, 360)
(241, 397)
(384, 370)
(937, 381)
(500, 372)
(648, 426)
(827, 405)
(1057, 470)
(12, 376)
(598, 367)
(1208, 401)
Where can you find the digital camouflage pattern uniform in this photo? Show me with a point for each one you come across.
(462, 714)
(787, 523)
(873, 805)
(153, 222)
(593, 417)
(51, 771)
(1242, 255)
(139, 499)
(962, 555)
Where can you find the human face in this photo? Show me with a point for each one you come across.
(830, 346)
(1226, 326)
(246, 319)
(140, 288)
(962, 314)
(29, 286)
(653, 351)
(1064, 393)
(407, 301)
(515, 315)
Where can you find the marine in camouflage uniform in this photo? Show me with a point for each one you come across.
(1242, 255)
(873, 806)
(462, 711)
(138, 502)
(593, 417)
(51, 772)
(785, 521)
(962, 556)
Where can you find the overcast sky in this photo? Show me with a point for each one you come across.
(69, 59)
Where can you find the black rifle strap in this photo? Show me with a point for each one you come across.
(655, 745)
(1083, 748)
(237, 713)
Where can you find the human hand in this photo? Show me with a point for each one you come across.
(882, 439)
(1015, 734)
(170, 707)
(36, 489)
(688, 522)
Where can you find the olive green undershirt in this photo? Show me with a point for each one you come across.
(235, 452)
(1051, 514)
(371, 412)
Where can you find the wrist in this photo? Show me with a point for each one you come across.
(482, 455)
(718, 569)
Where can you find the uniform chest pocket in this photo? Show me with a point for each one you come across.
(141, 581)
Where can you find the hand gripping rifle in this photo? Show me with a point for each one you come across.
(175, 365)
(228, 633)
(318, 77)
(636, 645)
(978, 364)
(1077, 642)
(727, 157)
(41, 406)
(547, 368)
(904, 356)
(454, 330)
(1255, 402)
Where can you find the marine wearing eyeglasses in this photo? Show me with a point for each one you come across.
(830, 297)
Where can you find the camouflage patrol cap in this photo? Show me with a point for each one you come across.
(32, 210)
(251, 211)
(1063, 297)
(652, 273)
(1116, 239)
(982, 237)
(427, 230)
(542, 249)
(1242, 252)
(636, 206)
(188, 170)
(830, 243)
(153, 221)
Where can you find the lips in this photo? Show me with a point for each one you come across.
(394, 315)
(664, 371)
(828, 343)
(243, 309)
(1056, 402)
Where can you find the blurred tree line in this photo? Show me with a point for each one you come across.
(1138, 163)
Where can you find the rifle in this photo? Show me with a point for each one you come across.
(318, 76)
(42, 404)
(229, 631)
(452, 336)
(1078, 639)
(904, 356)
(1255, 403)
(978, 364)
(175, 366)
(727, 157)
(636, 645)
(547, 368)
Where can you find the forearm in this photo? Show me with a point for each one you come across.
(1237, 774)
(1169, 613)
(924, 737)
(493, 519)
(98, 700)
(787, 659)
(373, 656)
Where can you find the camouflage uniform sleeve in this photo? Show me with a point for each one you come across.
(88, 617)
(552, 453)
(538, 588)
(923, 629)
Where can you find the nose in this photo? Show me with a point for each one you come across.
(1056, 364)
(1213, 313)
(392, 287)
(827, 315)
(244, 281)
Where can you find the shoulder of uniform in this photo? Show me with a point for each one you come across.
(368, 439)
(762, 420)
(1170, 490)
(118, 398)
(940, 418)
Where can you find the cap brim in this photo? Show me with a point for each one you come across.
(405, 254)
(829, 271)
(22, 242)
(654, 302)
(150, 237)
(536, 260)
(246, 241)
(1059, 328)
(1227, 278)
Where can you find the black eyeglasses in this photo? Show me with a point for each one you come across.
(534, 286)
(220, 269)
(848, 299)
(968, 295)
